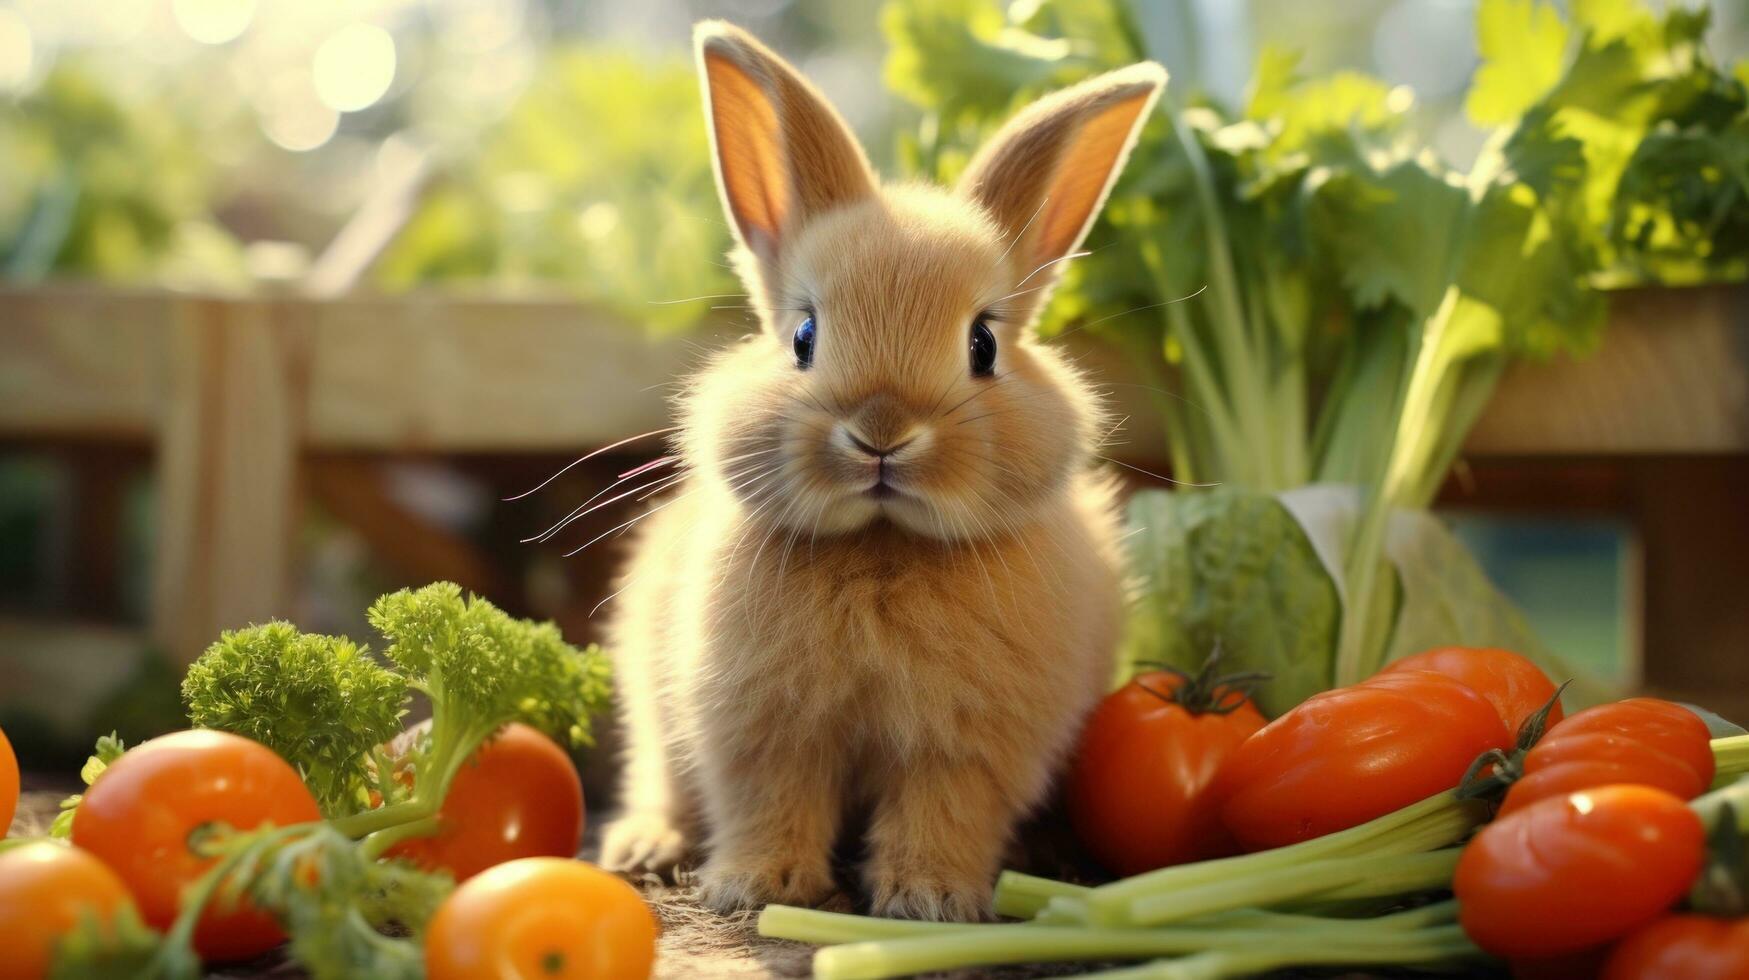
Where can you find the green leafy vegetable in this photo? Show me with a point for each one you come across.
(108, 749)
(327, 705)
(1232, 570)
(1322, 299)
(317, 700)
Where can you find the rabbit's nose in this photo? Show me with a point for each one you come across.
(880, 426)
(872, 450)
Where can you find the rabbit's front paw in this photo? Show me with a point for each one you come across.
(643, 841)
(928, 897)
(727, 887)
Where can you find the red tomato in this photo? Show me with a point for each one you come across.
(541, 917)
(1641, 740)
(518, 797)
(1349, 755)
(139, 813)
(1692, 947)
(8, 784)
(44, 891)
(1512, 684)
(1140, 786)
(1568, 873)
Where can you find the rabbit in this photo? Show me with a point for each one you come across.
(889, 582)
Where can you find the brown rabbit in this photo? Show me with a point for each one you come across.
(890, 576)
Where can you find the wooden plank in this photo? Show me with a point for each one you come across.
(82, 362)
(1672, 375)
(440, 374)
(227, 470)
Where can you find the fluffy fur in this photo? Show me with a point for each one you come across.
(792, 645)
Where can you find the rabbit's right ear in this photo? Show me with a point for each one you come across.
(782, 154)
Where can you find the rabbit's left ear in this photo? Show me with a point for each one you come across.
(1045, 174)
(782, 153)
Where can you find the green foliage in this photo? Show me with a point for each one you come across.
(598, 181)
(121, 945)
(339, 905)
(1231, 570)
(483, 667)
(318, 700)
(107, 181)
(108, 749)
(1327, 300)
(327, 705)
(1523, 44)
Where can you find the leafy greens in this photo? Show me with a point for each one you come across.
(1322, 300)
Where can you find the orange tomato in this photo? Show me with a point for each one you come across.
(518, 797)
(8, 784)
(45, 889)
(1349, 755)
(541, 917)
(1512, 684)
(1569, 873)
(1640, 740)
(1693, 947)
(139, 814)
(1140, 788)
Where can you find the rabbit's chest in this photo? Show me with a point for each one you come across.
(898, 652)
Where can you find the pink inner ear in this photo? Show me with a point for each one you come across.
(749, 156)
(1081, 177)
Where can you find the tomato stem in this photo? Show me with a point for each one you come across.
(1206, 692)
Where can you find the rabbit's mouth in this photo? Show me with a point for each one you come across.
(882, 490)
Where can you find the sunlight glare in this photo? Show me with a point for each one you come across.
(213, 21)
(17, 51)
(293, 117)
(354, 67)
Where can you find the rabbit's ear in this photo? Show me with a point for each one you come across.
(1044, 176)
(782, 153)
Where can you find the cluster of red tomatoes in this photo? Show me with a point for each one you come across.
(506, 831)
(1591, 846)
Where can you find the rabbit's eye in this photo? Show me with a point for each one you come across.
(804, 343)
(983, 349)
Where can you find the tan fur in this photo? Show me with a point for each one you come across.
(789, 647)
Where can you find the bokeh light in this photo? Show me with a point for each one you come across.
(17, 51)
(354, 67)
(292, 116)
(213, 21)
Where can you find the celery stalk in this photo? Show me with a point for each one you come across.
(1023, 943)
(1365, 877)
(1732, 758)
(1435, 822)
(1435, 947)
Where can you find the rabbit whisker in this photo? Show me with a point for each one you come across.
(592, 455)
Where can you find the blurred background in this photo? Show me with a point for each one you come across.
(294, 293)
